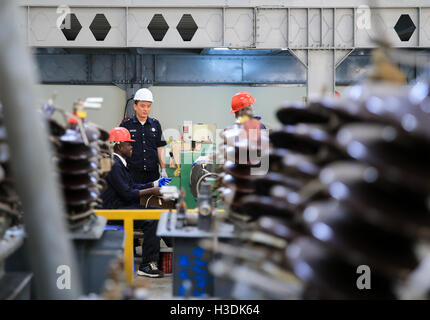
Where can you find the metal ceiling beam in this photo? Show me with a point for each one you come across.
(263, 27)
(222, 3)
(128, 69)
(320, 35)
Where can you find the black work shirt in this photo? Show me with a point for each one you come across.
(148, 138)
(121, 192)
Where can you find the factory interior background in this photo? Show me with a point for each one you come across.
(328, 101)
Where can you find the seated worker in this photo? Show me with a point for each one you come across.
(123, 193)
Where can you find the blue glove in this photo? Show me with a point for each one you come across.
(162, 182)
(197, 162)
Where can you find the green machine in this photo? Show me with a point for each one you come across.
(187, 160)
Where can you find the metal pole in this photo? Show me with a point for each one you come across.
(50, 250)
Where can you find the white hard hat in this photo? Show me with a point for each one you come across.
(143, 95)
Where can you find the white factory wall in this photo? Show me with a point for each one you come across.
(211, 104)
(173, 105)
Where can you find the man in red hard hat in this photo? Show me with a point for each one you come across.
(241, 105)
(123, 193)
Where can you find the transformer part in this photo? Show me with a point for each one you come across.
(204, 206)
(10, 206)
(347, 188)
(199, 172)
(83, 158)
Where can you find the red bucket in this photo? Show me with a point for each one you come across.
(165, 262)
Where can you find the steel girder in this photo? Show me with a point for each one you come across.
(257, 24)
(320, 35)
(128, 69)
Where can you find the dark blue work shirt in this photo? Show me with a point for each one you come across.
(121, 192)
(148, 138)
(262, 126)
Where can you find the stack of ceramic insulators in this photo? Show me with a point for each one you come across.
(347, 190)
(240, 155)
(375, 212)
(80, 154)
(10, 207)
(255, 258)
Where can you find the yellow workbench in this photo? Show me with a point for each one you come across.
(128, 216)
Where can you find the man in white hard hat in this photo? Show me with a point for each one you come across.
(148, 148)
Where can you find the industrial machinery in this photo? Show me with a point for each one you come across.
(192, 160)
(191, 277)
(81, 150)
(346, 194)
(13, 285)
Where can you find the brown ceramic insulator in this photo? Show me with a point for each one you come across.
(264, 184)
(277, 227)
(103, 147)
(4, 152)
(305, 133)
(401, 158)
(299, 166)
(3, 133)
(79, 216)
(257, 206)
(300, 113)
(239, 170)
(243, 185)
(82, 181)
(306, 145)
(77, 166)
(365, 191)
(341, 230)
(402, 107)
(79, 223)
(80, 197)
(93, 134)
(76, 151)
(55, 128)
(243, 155)
(74, 136)
(239, 194)
(104, 135)
(232, 196)
(7, 193)
(102, 183)
(276, 155)
(79, 208)
(328, 276)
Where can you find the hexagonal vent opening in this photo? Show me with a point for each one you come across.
(187, 27)
(158, 27)
(70, 27)
(405, 27)
(100, 27)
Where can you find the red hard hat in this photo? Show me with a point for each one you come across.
(120, 134)
(241, 100)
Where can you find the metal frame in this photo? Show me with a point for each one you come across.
(128, 216)
(258, 26)
(319, 35)
(126, 69)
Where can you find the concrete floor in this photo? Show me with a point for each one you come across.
(158, 288)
